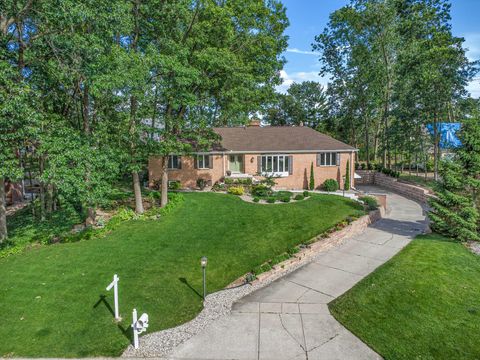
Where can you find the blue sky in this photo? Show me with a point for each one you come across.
(309, 17)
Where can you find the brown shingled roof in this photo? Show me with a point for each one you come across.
(277, 139)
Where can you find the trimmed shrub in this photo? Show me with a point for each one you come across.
(312, 178)
(282, 194)
(261, 190)
(285, 199)
(346, 186)
(271, 200)
(201, 183)
(306, 193)
(330, 185)
(299, 197)
(256, 199)
(236, 190)
(370, 202)
(174, 185)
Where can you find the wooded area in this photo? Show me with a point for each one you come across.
(394, 67)
(88, 88)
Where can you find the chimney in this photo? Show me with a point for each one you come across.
(254, 122)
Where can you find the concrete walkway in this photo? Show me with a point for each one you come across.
(289, 319)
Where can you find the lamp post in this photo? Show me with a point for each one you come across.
(203, 262)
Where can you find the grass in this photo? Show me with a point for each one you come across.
(422, 304)
(428, 183)
(53, 301)
(24, 229)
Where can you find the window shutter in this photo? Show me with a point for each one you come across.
(338, 159)
(318, 159)
(195, 161)
(179, 162)
(210, 161)
(259, 164)
(290, 165)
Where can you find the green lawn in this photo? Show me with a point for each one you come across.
(428, 183)
(51, 297)
(422, 304)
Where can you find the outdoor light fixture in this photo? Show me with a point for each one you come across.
(203, 262)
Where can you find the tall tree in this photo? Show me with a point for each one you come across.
(304, 104)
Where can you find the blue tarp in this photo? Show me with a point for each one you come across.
(448, 134)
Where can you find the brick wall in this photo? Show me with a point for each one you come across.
(410, 191)
(299, 179)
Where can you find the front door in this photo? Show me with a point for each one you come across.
(236, 163)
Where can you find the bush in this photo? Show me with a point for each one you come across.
(330, 185)
(364, 166)
(228, 181)
(261, 190)
(218, 187)
(299, 197)
(370, 202)
(256, 199)
(236, 190)
(312, 178)
(282, 194)
(271, 200)
(201, 183)
(306, 193)
(369, 166)
(285, 199)
(174, 185)
(357, 166)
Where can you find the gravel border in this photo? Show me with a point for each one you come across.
(160, 344)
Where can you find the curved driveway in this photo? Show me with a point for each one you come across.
(289, 319)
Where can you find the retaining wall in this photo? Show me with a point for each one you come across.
(413, 192)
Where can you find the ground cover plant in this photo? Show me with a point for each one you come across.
(53, 300)
(422, 304)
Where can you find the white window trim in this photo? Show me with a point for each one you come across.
(331, 154)
(205, 159)
(168, 164)
(284, 173)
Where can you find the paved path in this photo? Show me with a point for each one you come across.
(289, 319)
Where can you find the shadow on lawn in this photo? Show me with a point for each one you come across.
(125, 331)
(184, 280)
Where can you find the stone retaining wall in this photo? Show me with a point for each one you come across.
(413, 192)
(319, 245)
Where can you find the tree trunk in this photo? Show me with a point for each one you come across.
(164, 188)
(3, 212)
(137, 190)
(42, 189)
(367, 141)
(435, 148)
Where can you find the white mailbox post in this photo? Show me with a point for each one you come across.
(138, 326)
(114, 284)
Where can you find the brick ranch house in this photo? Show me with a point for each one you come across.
(286, 152)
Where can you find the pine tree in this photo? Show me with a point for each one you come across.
(312, 178)
(455, 208)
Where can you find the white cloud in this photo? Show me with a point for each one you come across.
(300, 76)
(303, 52)
(472, 43)
(474, 88)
